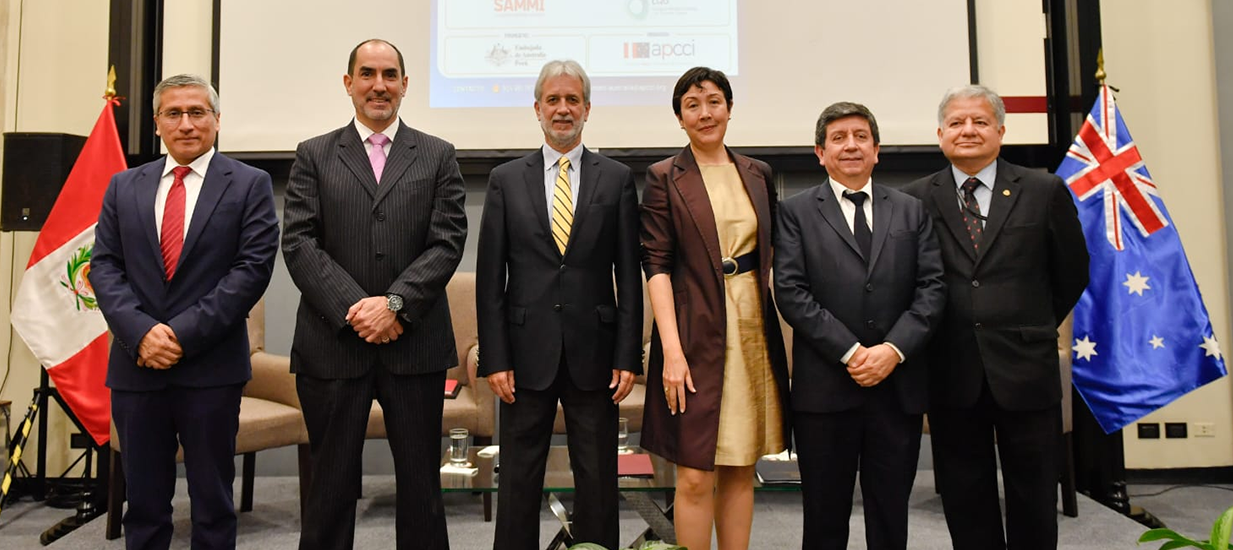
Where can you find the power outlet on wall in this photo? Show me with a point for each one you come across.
(1205, 429)
(1175, 430)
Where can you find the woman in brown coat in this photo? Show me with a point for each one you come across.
(718, 380)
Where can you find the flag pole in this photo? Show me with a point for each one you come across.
(79, 377)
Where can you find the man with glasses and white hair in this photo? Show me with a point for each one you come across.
(184, 247)
(1016, 263)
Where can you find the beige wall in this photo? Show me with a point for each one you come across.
(1160, 55)
(55, 71)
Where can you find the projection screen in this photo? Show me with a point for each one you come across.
(472, 65)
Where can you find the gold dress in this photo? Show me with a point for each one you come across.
(750, 418)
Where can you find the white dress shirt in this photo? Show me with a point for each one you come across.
(366, 132)
(192, 189)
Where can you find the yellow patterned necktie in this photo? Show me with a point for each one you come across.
(562, 207)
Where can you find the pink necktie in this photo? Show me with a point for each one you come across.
(377, 156)
(171, 238)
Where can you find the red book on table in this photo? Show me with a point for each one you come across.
(635, 465)
(451, 388)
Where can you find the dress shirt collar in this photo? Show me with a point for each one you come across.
(552, 156)
(365, 131)
(839, 189)
(198, 165)
(986, 175)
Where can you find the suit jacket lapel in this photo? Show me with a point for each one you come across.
(883, 211)
(945, 201)
(829, 207)
(533, 176)
(402, 156)
(146, 193)
(687, 180)
(1005, 195)
(355, 158)
(218, 178)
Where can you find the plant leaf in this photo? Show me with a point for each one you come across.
(587, 546)
(1160, 534)
(1221, 529)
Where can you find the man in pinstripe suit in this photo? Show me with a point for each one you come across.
(374, 229)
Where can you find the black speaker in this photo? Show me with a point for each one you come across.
(35, 167)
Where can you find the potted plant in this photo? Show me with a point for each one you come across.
(1219, 541)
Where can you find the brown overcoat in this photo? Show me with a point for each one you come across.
(679, 238)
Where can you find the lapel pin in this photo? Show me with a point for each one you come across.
(1006, 192)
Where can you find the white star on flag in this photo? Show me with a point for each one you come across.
(1136, 283)
(1210, 346)
(1156, 342)
(1085, 349)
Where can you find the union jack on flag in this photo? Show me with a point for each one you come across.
(1110, 166)
(1142, 334)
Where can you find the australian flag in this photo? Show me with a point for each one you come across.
(1142, 337)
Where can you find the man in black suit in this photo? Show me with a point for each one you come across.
(374, 229)
(560, 226)
(858, 275)
(184, 247)
(1016, 263)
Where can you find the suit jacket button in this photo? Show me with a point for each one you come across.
(380, 256)
(975, 284)
(869, 323)
(562, 268)
(380, 216)
(556, 307)
(869, 287)
(977, 326)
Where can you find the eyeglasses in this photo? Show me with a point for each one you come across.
(174, 115)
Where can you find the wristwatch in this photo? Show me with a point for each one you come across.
(393, 302)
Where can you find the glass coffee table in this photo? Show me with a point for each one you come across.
(483, 476)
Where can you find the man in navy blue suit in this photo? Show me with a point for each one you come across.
(184, 247)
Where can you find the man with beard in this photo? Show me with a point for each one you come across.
(374, 229)
(559, 226)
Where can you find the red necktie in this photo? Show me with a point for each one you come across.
(172, 238)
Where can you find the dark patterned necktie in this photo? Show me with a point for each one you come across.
(972, 217)
(860, 227)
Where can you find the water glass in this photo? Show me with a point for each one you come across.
(458, 446)
(622, 435)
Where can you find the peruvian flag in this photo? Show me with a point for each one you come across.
(55, 311)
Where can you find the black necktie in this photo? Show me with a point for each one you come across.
(860, 227)
(972, 217)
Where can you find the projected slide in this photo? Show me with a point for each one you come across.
(471, 66)
(487, 53)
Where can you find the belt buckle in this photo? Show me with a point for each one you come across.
(729, 266)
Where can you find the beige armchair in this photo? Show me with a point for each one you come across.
(269, 418)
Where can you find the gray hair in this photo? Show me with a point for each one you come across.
(563, 67)
(973, 91)
(185, 80)
(840, 110)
